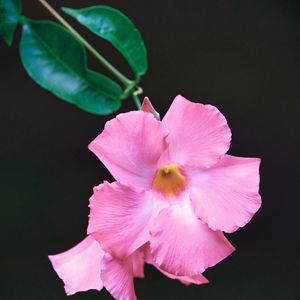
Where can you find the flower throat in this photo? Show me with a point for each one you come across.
(169, 180)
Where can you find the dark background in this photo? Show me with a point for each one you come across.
(241, 56)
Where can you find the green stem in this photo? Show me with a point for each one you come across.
(137, 101)
(110, 67)
(136, 98)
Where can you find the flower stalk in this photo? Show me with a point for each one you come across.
(136, 99)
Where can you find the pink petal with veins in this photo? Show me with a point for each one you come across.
(130, 147)
(226, 196)
(121, 217)
(183, 245)
(199, 134)
(79, 267)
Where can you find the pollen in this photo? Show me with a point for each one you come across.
(169, 180)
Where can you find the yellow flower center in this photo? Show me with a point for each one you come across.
(169, 180)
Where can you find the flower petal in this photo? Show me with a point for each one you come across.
(186, 280)
(121, 216)
(195, 279)
(226, 195)
(198, 133)
(79, 267)
(130, 147)
(138, 264)
(117, 276)
(182, 245)
(148, 107)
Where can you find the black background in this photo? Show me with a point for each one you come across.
(241, 56)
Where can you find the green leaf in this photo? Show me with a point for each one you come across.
(116, 28)
(57, 62)
(10, 11)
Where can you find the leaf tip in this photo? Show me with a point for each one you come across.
(68, 11)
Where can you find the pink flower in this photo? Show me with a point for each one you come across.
(86, 266)
(176, 189)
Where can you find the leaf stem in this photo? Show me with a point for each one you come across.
(127, 82)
